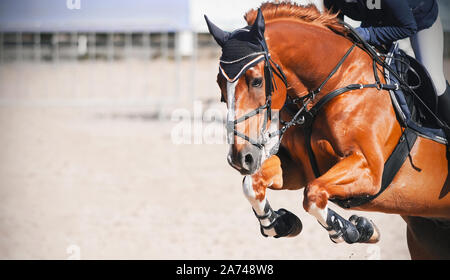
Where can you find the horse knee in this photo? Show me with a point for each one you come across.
(314, 194)
(253, 188)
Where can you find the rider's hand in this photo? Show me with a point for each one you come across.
(363, 33)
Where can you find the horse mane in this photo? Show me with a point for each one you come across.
(308, 14)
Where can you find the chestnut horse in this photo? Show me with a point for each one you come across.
(352, 135)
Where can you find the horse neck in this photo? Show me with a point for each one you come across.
(307, 52)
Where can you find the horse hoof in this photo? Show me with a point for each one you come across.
(287, 224)
(341, 229)
(368, 232)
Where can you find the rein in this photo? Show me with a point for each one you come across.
(303, 116)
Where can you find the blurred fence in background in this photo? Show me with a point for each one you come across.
(112, 52)
(150, 67)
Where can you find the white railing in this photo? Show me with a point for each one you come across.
(90, 69)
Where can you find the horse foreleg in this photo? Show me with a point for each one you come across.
(355, 230)
(348, 178)
(279, 223)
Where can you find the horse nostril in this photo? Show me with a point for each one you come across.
(248, 159)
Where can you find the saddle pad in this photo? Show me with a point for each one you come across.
(408, 108)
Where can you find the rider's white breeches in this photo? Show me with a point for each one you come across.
(428, 46)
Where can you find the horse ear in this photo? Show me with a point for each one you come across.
(219, 35)
(258, 26)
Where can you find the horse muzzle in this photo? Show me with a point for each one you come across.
(247, 161)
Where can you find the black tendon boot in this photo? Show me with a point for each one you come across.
(444, 106)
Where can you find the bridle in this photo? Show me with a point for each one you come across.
(270, 68)
(304, 117)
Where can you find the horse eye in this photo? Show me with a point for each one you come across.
(257, 82)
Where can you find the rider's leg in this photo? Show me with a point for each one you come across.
(428, 46)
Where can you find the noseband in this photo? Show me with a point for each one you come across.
(270, 67)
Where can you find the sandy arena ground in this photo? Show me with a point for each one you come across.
(108, 183)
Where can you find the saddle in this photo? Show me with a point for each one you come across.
(410, 110)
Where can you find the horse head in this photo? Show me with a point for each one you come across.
(253, 94)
